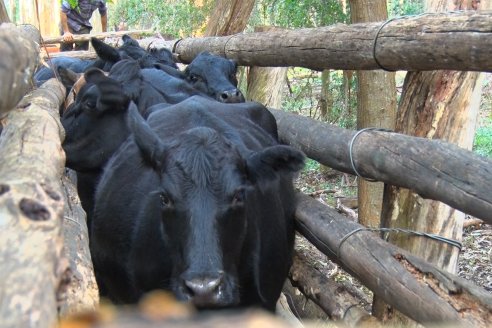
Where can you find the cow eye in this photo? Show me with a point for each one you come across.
(238, 198)
(90, 104)
(165, 200)
(194, 78)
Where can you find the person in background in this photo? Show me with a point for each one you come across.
(76, 21)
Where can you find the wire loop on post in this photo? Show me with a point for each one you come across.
(376, 40)
(452, 242)
(351, 145)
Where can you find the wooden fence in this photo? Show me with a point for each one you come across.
(416, 288)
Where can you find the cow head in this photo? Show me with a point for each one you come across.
(205, 202)
(108, 55)
(95, 122)
(215, 76)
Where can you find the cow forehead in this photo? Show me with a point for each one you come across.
(205, 159)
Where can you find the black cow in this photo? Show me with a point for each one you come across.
(76, 65)
(94, 129)
(192, 204)
(108, 55)
(215, 76)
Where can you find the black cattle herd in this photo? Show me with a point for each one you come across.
(185, 184)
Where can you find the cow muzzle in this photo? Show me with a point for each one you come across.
(206, 290)
(231, 96)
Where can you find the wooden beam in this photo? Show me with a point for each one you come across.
(414, 287)
(19, 53)
(33, 271)
(101, 36)
(453, 40)
(432, 168)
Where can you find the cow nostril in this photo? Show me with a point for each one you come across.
(224, 95)
(202, 286)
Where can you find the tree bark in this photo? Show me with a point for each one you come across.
(373, 111)
(452, 175)
(33, 272)
(229, 17)
(414, 287)
(19, 52)
(265, 84)
(4, 15)
(436, 105)
(402, 44)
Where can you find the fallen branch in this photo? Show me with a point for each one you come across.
(472, 222)
(332, 297)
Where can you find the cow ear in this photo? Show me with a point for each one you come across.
(67, 76)
(268, 163)
(94, 75)
(129, 41)
(151, 147)
(105, 51)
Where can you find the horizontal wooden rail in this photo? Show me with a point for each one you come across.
(419, 290)
(455, 40)
(432, 168)
(101, 36)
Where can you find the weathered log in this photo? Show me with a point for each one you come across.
(432, 168)
(331, 296)
(101, 36)
(33, 270)
(82, 293)
(19, 51)
(414, 287)
(453, 40)
(73, 54)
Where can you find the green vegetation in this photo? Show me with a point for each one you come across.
(483, 139)
(75, 3)
(172, 17)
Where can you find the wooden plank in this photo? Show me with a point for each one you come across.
(432, 168)
(419, 290)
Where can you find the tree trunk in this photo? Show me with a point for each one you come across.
(19, 53)
(33, 272)
(4, 15)
(376, 107)
(229, 17)
(326, 99)
(453, 175)
(265, 84)
(436, 105)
